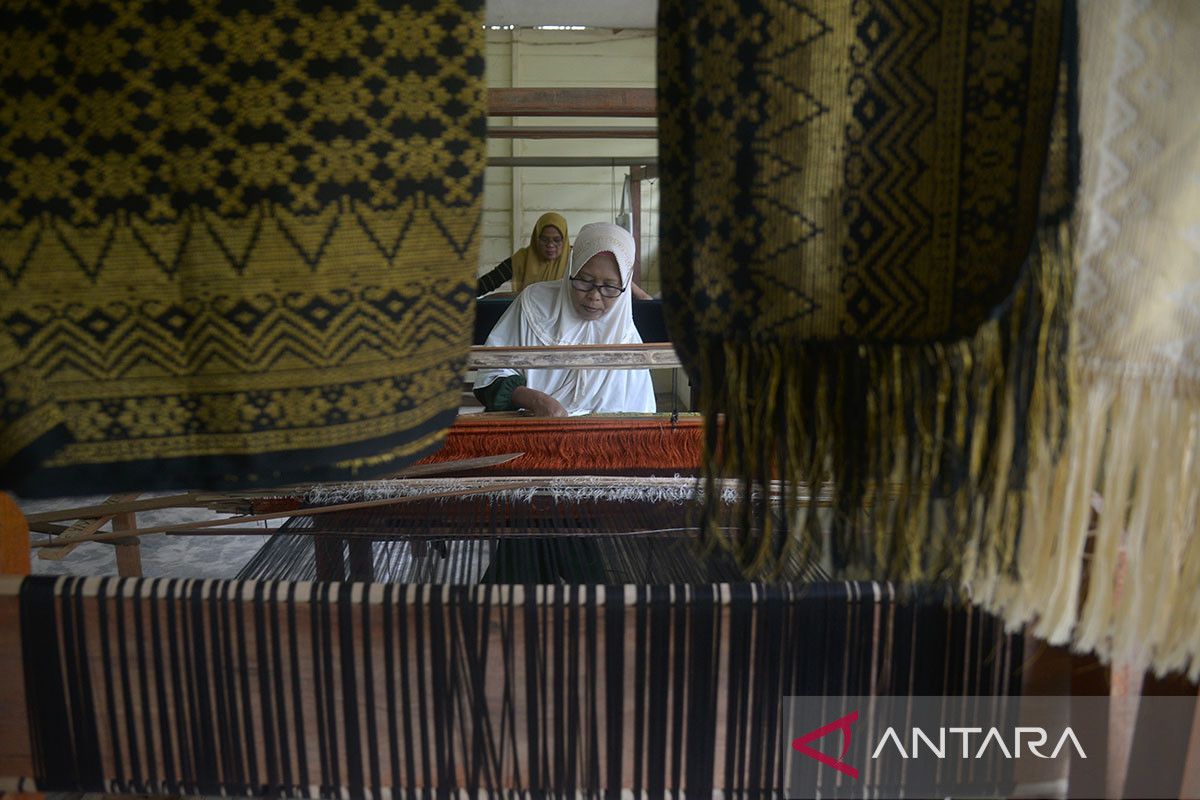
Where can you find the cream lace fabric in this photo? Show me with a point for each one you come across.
(1137, 306)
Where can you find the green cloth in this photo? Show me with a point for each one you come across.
(497, 395)
(237, 241)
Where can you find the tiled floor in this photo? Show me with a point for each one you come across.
(163, 555)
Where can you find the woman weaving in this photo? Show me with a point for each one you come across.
(545, 259)
(591, 304)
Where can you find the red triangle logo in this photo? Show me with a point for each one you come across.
(800, 744)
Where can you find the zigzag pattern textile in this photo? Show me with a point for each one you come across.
(863, 229)
(237, 241)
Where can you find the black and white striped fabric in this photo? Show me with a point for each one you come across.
(379, 690)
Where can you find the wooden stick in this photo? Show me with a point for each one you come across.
(586, 356)
(303, 512)
(80, 530)
(110, 508)
(50, 528)
(443, 533)
(573, 102)
(243, 502)
(225, 532)
(129, 551)
(459, 465)
(635, 216)
(83, 528)
(646, 172)
(124, 503)
(1124, 700)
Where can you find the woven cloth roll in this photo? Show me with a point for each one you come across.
(862, 259)
(595, 444)
(237, 241)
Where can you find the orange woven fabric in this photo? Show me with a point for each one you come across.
(618, 444)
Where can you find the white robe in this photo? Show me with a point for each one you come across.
(543, 314)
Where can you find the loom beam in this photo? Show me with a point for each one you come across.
(572, 102)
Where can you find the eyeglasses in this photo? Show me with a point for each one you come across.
(604, 289)
(548, 242)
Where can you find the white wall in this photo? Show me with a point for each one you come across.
(593, 13)
(515, 197)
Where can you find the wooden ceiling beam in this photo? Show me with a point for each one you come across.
(573, 102)
(569, 132)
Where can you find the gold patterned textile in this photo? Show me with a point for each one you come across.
(237, 240)
(1131, 459)
(850, 198)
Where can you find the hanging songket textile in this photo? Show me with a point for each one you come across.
(237, 241)
(850, 199)
(941, 258)
(850, 194)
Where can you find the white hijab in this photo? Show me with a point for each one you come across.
(544, 314)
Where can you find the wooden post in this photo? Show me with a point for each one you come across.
(635, 209)
(14, 538)
(362, 559)
(1124, 696)
(1046, 673)
(128, 551)
(637, 174)
(329, 558)
(14, 726)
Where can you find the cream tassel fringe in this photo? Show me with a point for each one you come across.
(1053, 494)
(1131, 462)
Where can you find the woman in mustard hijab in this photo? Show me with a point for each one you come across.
(545, 259)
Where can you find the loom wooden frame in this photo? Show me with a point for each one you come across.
(653, 355)
(16, 756)
(1046, 673)
(16, 752)
(122, 509)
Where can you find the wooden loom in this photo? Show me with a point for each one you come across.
(114, 650)
(499, 443)
(315, 689)
(342, 725)
(297, 688)
(293, 613)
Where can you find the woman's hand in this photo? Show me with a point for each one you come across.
(539, 403)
